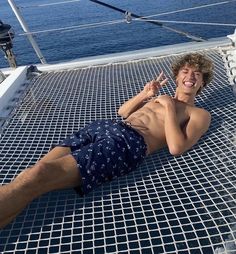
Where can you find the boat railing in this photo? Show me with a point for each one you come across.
(128, 18)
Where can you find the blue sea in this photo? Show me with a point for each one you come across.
(87, 41)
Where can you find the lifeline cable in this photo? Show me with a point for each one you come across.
(193, 37)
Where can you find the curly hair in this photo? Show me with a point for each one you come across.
(200, 62)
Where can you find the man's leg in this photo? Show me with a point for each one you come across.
(56, 153)
(47, 175)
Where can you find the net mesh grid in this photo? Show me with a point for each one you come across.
(169, 204)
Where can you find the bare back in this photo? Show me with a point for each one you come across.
(149, 122)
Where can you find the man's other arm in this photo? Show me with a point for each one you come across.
(180, 140)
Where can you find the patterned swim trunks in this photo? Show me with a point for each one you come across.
(105, 150)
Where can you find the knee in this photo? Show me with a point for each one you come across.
(40, 178)
(30, 180)
(39, 170)
(33, 174)
(58, 174)
(44, 172)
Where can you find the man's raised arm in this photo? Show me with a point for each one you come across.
(150, 89)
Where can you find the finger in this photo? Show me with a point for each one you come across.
(160, 77)
(150, 83)
(153, 84)
(164, 82)
(147, 86)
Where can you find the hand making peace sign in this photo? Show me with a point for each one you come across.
(152, 88)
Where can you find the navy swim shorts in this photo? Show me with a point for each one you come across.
(105, 150)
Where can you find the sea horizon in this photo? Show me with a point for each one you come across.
(94, 30)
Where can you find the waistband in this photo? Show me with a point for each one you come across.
(131, 127)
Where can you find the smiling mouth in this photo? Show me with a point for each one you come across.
(189, 84)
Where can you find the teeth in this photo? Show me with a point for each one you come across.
(188, 84)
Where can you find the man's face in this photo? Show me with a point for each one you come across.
(189, 79)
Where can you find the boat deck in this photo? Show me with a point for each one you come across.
(182, 204)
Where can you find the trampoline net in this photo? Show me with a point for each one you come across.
(169, 204)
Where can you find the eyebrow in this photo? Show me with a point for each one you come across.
(187, 68)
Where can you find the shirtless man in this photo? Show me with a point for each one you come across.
(109, 148)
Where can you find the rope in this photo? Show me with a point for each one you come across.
(114, 22)
(144, 18)
(50, 4)
(79, 27)
(193, 37)
(101, 24)
(189, 9)
(190, 22)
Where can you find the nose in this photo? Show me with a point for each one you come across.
(191, 75)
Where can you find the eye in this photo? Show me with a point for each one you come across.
(197, 74)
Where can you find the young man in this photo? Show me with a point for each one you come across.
(106, 149)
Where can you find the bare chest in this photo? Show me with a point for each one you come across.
(149, 121)
(157, 112)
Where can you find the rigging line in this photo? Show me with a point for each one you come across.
(100, 24)
(190, 22)
(193, 37)
(71, 28)
(50, 4)
(189, 9)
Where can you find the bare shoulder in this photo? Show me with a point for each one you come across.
(200, 117)
(200, 113)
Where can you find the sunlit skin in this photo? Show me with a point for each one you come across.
(162, 120)
(166, 121)
(190, 80)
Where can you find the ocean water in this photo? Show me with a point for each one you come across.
(76, 43)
